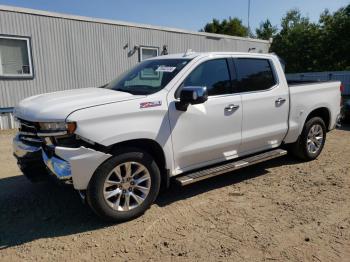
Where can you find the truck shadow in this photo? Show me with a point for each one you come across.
(45, 210)
(42, 210)
(176, 192)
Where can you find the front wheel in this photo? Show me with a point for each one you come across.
(124, 186)
(311, 141)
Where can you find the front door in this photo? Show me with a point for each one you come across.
(209, 132)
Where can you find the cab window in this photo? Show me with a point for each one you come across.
(254, 74)
(213, 74)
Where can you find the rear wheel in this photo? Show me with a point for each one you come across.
(311, 141)
(124, 186)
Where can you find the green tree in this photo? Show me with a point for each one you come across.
(231, 26)
(298, 43)
(335, 39)
(266, 30)
(304, 45)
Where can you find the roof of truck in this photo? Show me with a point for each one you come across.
(191, 55)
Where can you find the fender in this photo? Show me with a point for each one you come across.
(297, 121)
(111, 124)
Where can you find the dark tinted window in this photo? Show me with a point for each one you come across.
(254, 74)
(213, 74)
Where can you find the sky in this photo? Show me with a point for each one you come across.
(191, 14)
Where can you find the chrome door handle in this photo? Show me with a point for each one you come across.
(280, 101)
(231, 107)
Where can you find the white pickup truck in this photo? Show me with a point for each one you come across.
(183, 117)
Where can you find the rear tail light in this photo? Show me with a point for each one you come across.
(341, 88)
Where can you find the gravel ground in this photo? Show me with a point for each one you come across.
(279, 210)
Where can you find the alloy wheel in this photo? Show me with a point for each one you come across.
(127, 186)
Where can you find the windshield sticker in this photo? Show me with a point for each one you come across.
(168, 69)
(150, 104)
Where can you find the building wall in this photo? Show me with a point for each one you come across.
(75, 52)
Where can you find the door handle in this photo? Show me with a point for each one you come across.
(231, 107)
(280, 101)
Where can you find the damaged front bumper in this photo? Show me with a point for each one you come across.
(78, 164)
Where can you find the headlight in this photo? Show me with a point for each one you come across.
(56, 128)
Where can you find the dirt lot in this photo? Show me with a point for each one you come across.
(279, 210)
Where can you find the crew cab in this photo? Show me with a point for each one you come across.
(182, 117)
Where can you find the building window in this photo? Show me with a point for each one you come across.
(15, 57)
(148, 52)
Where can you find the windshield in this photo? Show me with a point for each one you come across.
(148, 77)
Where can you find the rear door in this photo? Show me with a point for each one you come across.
(265, 104)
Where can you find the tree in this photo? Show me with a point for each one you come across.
(335, 39)
(304, 45)
(231, 26)
(266, 30)
(298, 43)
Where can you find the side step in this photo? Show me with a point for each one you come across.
(221, 169)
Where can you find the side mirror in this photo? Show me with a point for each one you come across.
(191, 95)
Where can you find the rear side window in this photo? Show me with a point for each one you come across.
(254, 74)
(214, 74)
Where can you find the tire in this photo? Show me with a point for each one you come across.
(302, 149)
(109, 200)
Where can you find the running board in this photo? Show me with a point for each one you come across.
(225, 168)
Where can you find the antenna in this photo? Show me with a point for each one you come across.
(248, 17)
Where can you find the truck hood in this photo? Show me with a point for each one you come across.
(57, 106)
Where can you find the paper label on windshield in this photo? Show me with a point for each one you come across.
(168, 69)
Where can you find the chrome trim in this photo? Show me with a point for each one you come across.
(59, 133)
(231, 107)
(280, 101)
(225, 168)
(36, 140)
(21, 150)
(27, 125)
(26, 133)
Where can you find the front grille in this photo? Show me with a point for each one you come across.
(27, 127)
(28, 132)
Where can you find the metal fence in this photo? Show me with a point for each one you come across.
(343, 76)
(7, 120)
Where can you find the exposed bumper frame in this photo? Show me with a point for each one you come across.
(83, 163)
(76, 163)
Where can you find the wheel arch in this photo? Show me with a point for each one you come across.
(153, 148)
(323, 113)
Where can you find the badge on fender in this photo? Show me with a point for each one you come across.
(150, 104)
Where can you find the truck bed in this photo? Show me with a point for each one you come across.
(323, 94)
